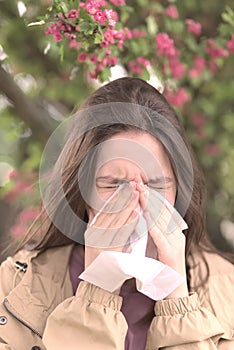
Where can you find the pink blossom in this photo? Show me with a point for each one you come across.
(143, 61)
(91, 8)
(199, 65)
(118, 2)
(108, 52)
(93, 74)
(176, 67)
(82, 57)
(214, 50)
(93, 57)
(112, 17)
(100, 17)
(112, 61)
(104, 44)
(193, 27)
(136, 33)
(18, 230)
(127, 33)
(198, 120)
(165, 45)
(172, 11)
(230, 44)
(178, 98)
(212, 149)
(109, 36)
(73, 14)
(75, 45)
(200, 132)
(194, 73)
(28, 214)
(120, 44)
(20, 187)
(134, 67)
(14, 174)
(213, 67)
(57, 36)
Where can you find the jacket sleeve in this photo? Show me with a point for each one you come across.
(91, 320)
(183, 324)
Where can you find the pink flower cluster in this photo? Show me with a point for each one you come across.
(199, 65)
(137, 66)
(193, 27)
(230, 44)
(214, 50)
(165, 45)
(118, 2)
(212, 149)
(171, 11)
(23, 222)
(176, 67)
(178, 98)
(199, 120)
(93, 7)
(20, 186)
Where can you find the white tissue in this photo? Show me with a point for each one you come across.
(153, 278)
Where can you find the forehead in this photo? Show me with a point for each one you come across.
(132, 152)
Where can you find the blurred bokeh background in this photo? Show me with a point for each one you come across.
(38, 91)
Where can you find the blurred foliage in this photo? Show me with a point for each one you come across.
(58, 86)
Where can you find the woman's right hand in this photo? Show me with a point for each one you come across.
(110, 228)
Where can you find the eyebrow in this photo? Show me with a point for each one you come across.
(155, 181)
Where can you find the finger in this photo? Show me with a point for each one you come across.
(125, 216)
(114, 203)
(144, 197)
(105, 220)
(155, 232)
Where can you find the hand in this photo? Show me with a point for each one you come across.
(110, 228)
(170, 247)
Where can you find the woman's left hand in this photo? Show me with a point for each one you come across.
(170, 247)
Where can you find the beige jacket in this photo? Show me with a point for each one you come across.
(39, 311)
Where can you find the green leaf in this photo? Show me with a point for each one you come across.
(86, 28)
(61, 52)
(224, 29)
(145, 75)
(125, 13)
(84, 15)
(104, 75)
(151, 25)
(98, 38)
(75, 3)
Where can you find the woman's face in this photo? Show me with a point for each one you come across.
(132, 156)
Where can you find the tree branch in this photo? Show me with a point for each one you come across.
(35, 116)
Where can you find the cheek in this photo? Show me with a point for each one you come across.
(169, 194)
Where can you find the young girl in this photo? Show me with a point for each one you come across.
(125, 152)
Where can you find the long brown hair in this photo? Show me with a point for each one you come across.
(138, 93)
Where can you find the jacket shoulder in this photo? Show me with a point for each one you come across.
(9, 271)
(216, 293)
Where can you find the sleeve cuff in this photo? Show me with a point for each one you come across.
(98, 295)
(171, 307)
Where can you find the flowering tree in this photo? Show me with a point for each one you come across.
(149, 39)
(101, 35)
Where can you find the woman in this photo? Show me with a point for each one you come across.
(125, 134)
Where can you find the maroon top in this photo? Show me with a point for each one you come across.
(135, 305)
